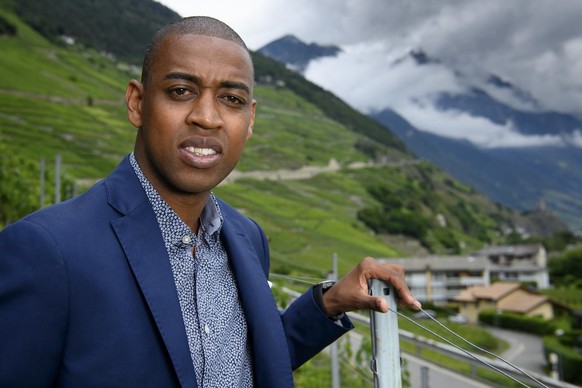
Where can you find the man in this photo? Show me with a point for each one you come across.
(147, 279)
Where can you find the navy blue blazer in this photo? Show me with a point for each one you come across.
(87, 298)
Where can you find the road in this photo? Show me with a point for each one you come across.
(525, 350)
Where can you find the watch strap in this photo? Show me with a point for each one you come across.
(318, 291)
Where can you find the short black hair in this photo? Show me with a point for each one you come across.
(197, 25)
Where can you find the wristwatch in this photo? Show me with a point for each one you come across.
(321, 289)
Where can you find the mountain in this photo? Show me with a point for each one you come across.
(295, 53)
(517, 176)
(477, 102)
(505, 176)
(481, 128)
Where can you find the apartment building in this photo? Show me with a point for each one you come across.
(440, 278)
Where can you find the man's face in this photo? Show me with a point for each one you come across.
(194, 115)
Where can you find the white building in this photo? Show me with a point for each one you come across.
(440, 278)
(518, 263)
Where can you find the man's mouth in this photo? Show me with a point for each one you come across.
(201, 155)
(201, 151)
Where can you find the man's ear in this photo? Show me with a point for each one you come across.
(133, 99)
(252, 121)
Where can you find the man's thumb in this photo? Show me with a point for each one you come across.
(379, 304)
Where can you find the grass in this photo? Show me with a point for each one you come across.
(291, 133)
(474, 334)
(305, 229)
(482, 372)
(91, 140)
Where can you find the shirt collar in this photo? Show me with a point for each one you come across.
(211, 218)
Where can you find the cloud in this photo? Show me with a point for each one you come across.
(372, 77)
(478, 130)
(575, 139)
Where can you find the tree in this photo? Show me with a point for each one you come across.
(19, 186)
(566, 270)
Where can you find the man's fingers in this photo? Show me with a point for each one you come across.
(378, 304)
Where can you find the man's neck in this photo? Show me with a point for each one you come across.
(189, 208)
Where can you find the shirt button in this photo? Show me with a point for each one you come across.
(186, 239)
(206, 329)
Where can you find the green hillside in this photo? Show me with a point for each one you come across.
(120, 27)
(69, 101)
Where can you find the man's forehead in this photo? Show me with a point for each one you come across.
(203, 39)
(191, 53)
(205, 42)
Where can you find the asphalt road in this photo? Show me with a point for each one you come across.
(525, 350)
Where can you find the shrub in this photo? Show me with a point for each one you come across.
(447, 238)
(534, 325)
(567, 269)
(569, 361)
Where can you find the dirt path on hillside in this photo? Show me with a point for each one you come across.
(307, 172)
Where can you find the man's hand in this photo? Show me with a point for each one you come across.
(351, 292)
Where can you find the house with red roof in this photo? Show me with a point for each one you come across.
(503, 297)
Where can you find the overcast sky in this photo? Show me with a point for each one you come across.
(535, 44)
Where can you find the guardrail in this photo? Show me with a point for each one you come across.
(450, 351)
(447, 350)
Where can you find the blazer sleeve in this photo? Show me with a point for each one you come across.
(33, 306)
(307, 329)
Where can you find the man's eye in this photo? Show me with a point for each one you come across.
(234, 100)
(180, 91)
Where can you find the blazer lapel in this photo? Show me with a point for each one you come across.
(272, 366)
(142, 243)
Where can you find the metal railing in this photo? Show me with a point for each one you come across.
(421, 343)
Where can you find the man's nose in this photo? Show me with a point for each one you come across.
(205, 112)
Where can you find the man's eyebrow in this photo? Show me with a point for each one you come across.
(196, 80)
(182, 76)
(236, 85)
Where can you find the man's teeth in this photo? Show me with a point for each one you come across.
(201, 151)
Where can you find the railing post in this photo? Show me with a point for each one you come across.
(335, 371)
(57, 178)
(424, 377)
(385, 339)
(42, 182)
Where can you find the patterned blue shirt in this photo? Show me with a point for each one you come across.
(213, 317)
